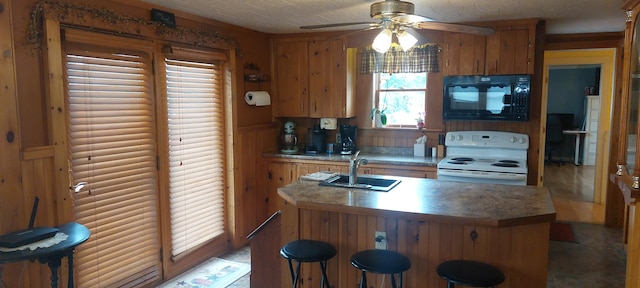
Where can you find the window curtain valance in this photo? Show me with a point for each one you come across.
(417, 60)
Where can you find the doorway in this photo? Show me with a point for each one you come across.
(605, 59)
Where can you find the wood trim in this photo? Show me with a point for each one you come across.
(10, 165)
(58, 115)
(38, 153)
(583, 41)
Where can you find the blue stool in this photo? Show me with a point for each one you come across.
(470, 273)
(308, 251)
(381, 262)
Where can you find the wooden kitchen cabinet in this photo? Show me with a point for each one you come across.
(510, 50)
(402, 171)
(279, 174)
(314, 79)
(464, 54)
(291, 79)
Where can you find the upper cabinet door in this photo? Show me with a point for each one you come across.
(314, 79)
(292, 79)
(330, 92)
(509, 52)
(464, 54)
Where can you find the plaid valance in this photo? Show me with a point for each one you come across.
(417, 60)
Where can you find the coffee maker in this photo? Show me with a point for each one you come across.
(317, 140)
(348, 134)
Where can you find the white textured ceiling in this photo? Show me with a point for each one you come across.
(285, 16)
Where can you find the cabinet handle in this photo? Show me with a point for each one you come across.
(269, 175)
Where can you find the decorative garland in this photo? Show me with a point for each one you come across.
(62, 11)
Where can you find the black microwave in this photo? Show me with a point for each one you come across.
(495, 97)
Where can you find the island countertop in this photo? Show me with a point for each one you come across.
(488, 205)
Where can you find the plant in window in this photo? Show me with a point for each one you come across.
(379, 116)
(420, 120)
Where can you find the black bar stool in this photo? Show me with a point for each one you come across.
(308, 251)
(381, 262)
(470, 273)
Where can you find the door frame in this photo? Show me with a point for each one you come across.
(606, 59)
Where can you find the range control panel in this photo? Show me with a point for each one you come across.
(489, 139)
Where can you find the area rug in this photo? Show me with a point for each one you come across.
(215, 273)
(563, 232)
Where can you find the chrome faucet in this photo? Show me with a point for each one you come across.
(354, 164)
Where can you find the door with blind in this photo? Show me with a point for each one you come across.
(150, 144)
(193, 108)
(112, 144)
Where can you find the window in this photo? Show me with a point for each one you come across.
(402, 97)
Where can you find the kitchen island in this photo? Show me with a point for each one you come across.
(430, 221)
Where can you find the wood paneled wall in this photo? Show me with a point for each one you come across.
(27, 166)
(37, 165)
(250, 201)
(521, 252)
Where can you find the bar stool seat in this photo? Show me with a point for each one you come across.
(308, 251)
(470, 273)
(380, 262)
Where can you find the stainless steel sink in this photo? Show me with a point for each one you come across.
(377, 183)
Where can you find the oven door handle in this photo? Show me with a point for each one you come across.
(479, 174)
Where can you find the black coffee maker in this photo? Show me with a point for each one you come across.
(317, 140)
(348, 134)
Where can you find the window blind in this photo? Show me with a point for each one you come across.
(196, 135)
(112, 144)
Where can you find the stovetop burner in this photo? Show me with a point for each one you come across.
(453, 161)
(464, 159)
(508, 161)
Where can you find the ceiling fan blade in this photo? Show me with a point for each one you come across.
(409, 19)
(450, 27)
(338, 25)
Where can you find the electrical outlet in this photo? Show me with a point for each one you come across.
(381, 240)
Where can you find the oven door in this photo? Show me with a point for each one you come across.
(472, 176)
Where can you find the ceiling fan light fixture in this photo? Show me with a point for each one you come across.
(406, 40)
(382, 42)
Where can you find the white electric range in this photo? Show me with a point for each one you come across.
(485, 157)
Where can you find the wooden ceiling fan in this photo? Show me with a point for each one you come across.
(397, 15)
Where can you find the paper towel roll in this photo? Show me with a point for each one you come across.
(257, 98)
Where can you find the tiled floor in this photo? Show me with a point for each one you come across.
(598, 260)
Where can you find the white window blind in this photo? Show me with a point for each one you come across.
(112, 144)
(196, 135)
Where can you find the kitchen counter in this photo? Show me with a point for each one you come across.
(429, 221)
(489, 205)
(383, 159)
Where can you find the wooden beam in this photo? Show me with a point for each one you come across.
(57, 126)
(11, 196)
